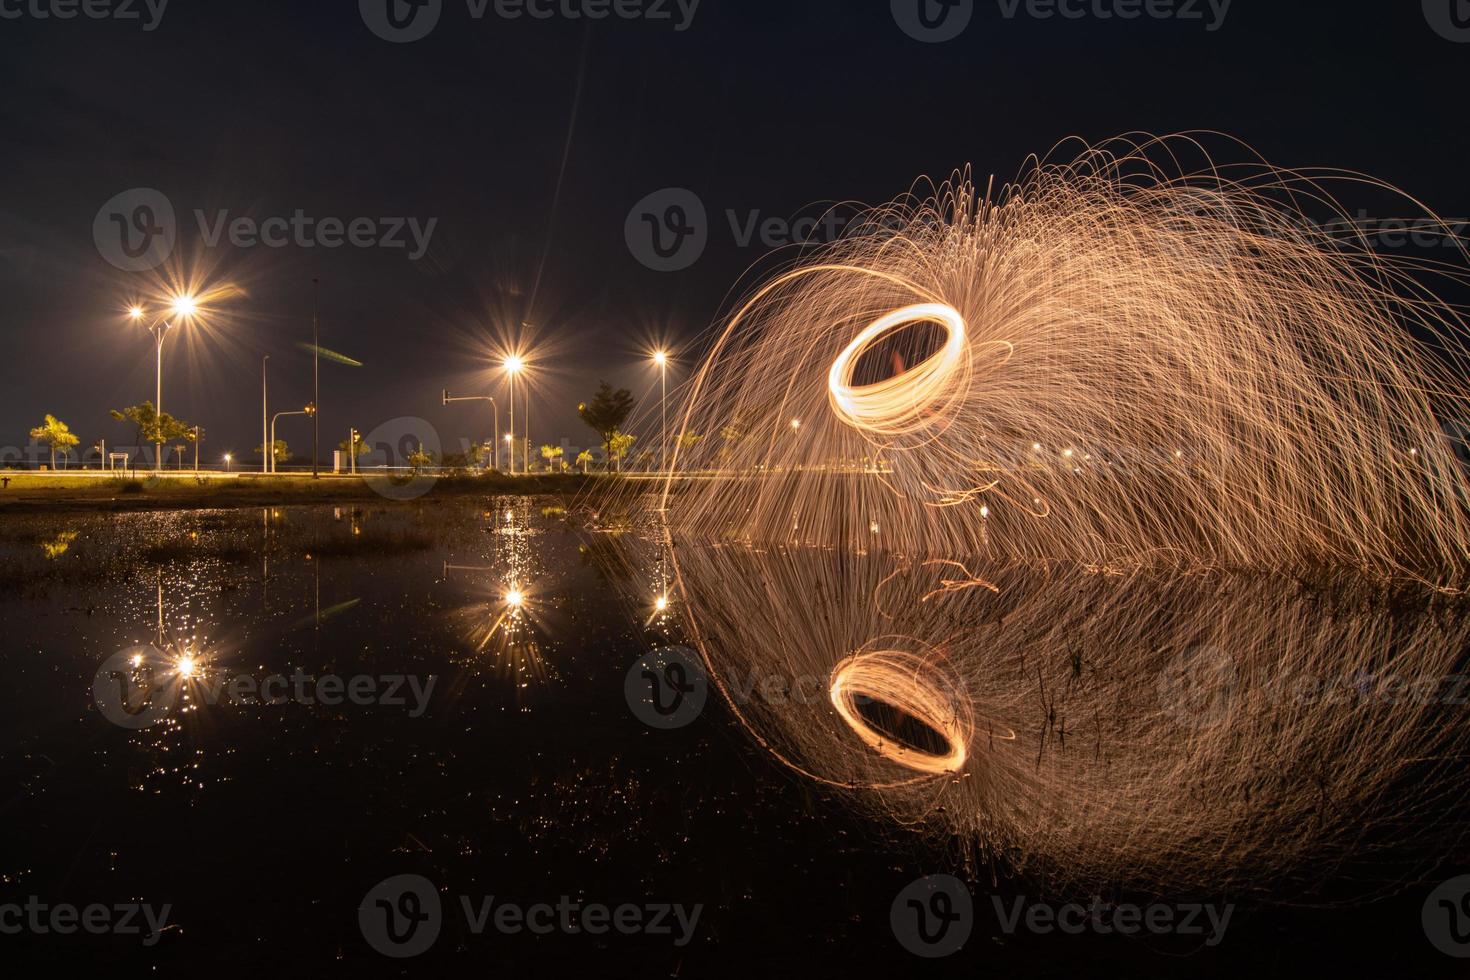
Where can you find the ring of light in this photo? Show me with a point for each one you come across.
(903, 402)
(892, 677)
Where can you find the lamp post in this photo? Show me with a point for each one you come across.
(265, 443)
(661, 358)
(316, 390)
(494, 447)
(182, 307)
(513, 366)
(308, 410)
(228, 457)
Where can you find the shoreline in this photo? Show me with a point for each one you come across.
(30, 494)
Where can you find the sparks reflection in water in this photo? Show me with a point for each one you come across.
(1101, 361)
(1209, 731)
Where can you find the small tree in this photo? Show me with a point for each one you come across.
(55, 434)
(280, 452)
(618, 447)
(550, 453)
(419, 459)
(583, 458)
(153, 426)
(358, 448)
(606, 413)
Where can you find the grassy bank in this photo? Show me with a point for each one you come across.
(32, 493)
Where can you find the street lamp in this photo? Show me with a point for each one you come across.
(514, 365)
(182, 307)
(661, 358)
(228, 457)
(494, 449)
(271, 447)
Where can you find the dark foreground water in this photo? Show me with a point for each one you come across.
(485, 747)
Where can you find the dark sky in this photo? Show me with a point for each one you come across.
(528, 142)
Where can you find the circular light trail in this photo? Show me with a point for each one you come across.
(909, 399)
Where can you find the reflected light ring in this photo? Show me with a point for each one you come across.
(896, 679)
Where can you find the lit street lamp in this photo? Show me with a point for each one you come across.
(661, 358)
(514, 364)
(183, 307)
(228, 457)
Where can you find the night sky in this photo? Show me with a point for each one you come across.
(528, 141)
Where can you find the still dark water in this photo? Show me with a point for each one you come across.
(506, 763)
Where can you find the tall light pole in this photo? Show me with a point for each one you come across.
(316, 389)
(513, 366)
(266, 449)
(495, 440)
(183, 307)
(661, 358)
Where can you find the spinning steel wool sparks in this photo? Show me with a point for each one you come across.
(1097, 362)
(1147, 409)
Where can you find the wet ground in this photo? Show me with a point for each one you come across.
(488, 747)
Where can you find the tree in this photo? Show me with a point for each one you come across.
(550, 453)
(145, 418)
(359, 448)
(483, 452)
(55, 434)
(606, 413)
(280, 451)
(618, 447)
(583, 458)
(153, 427)
(419, 458)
